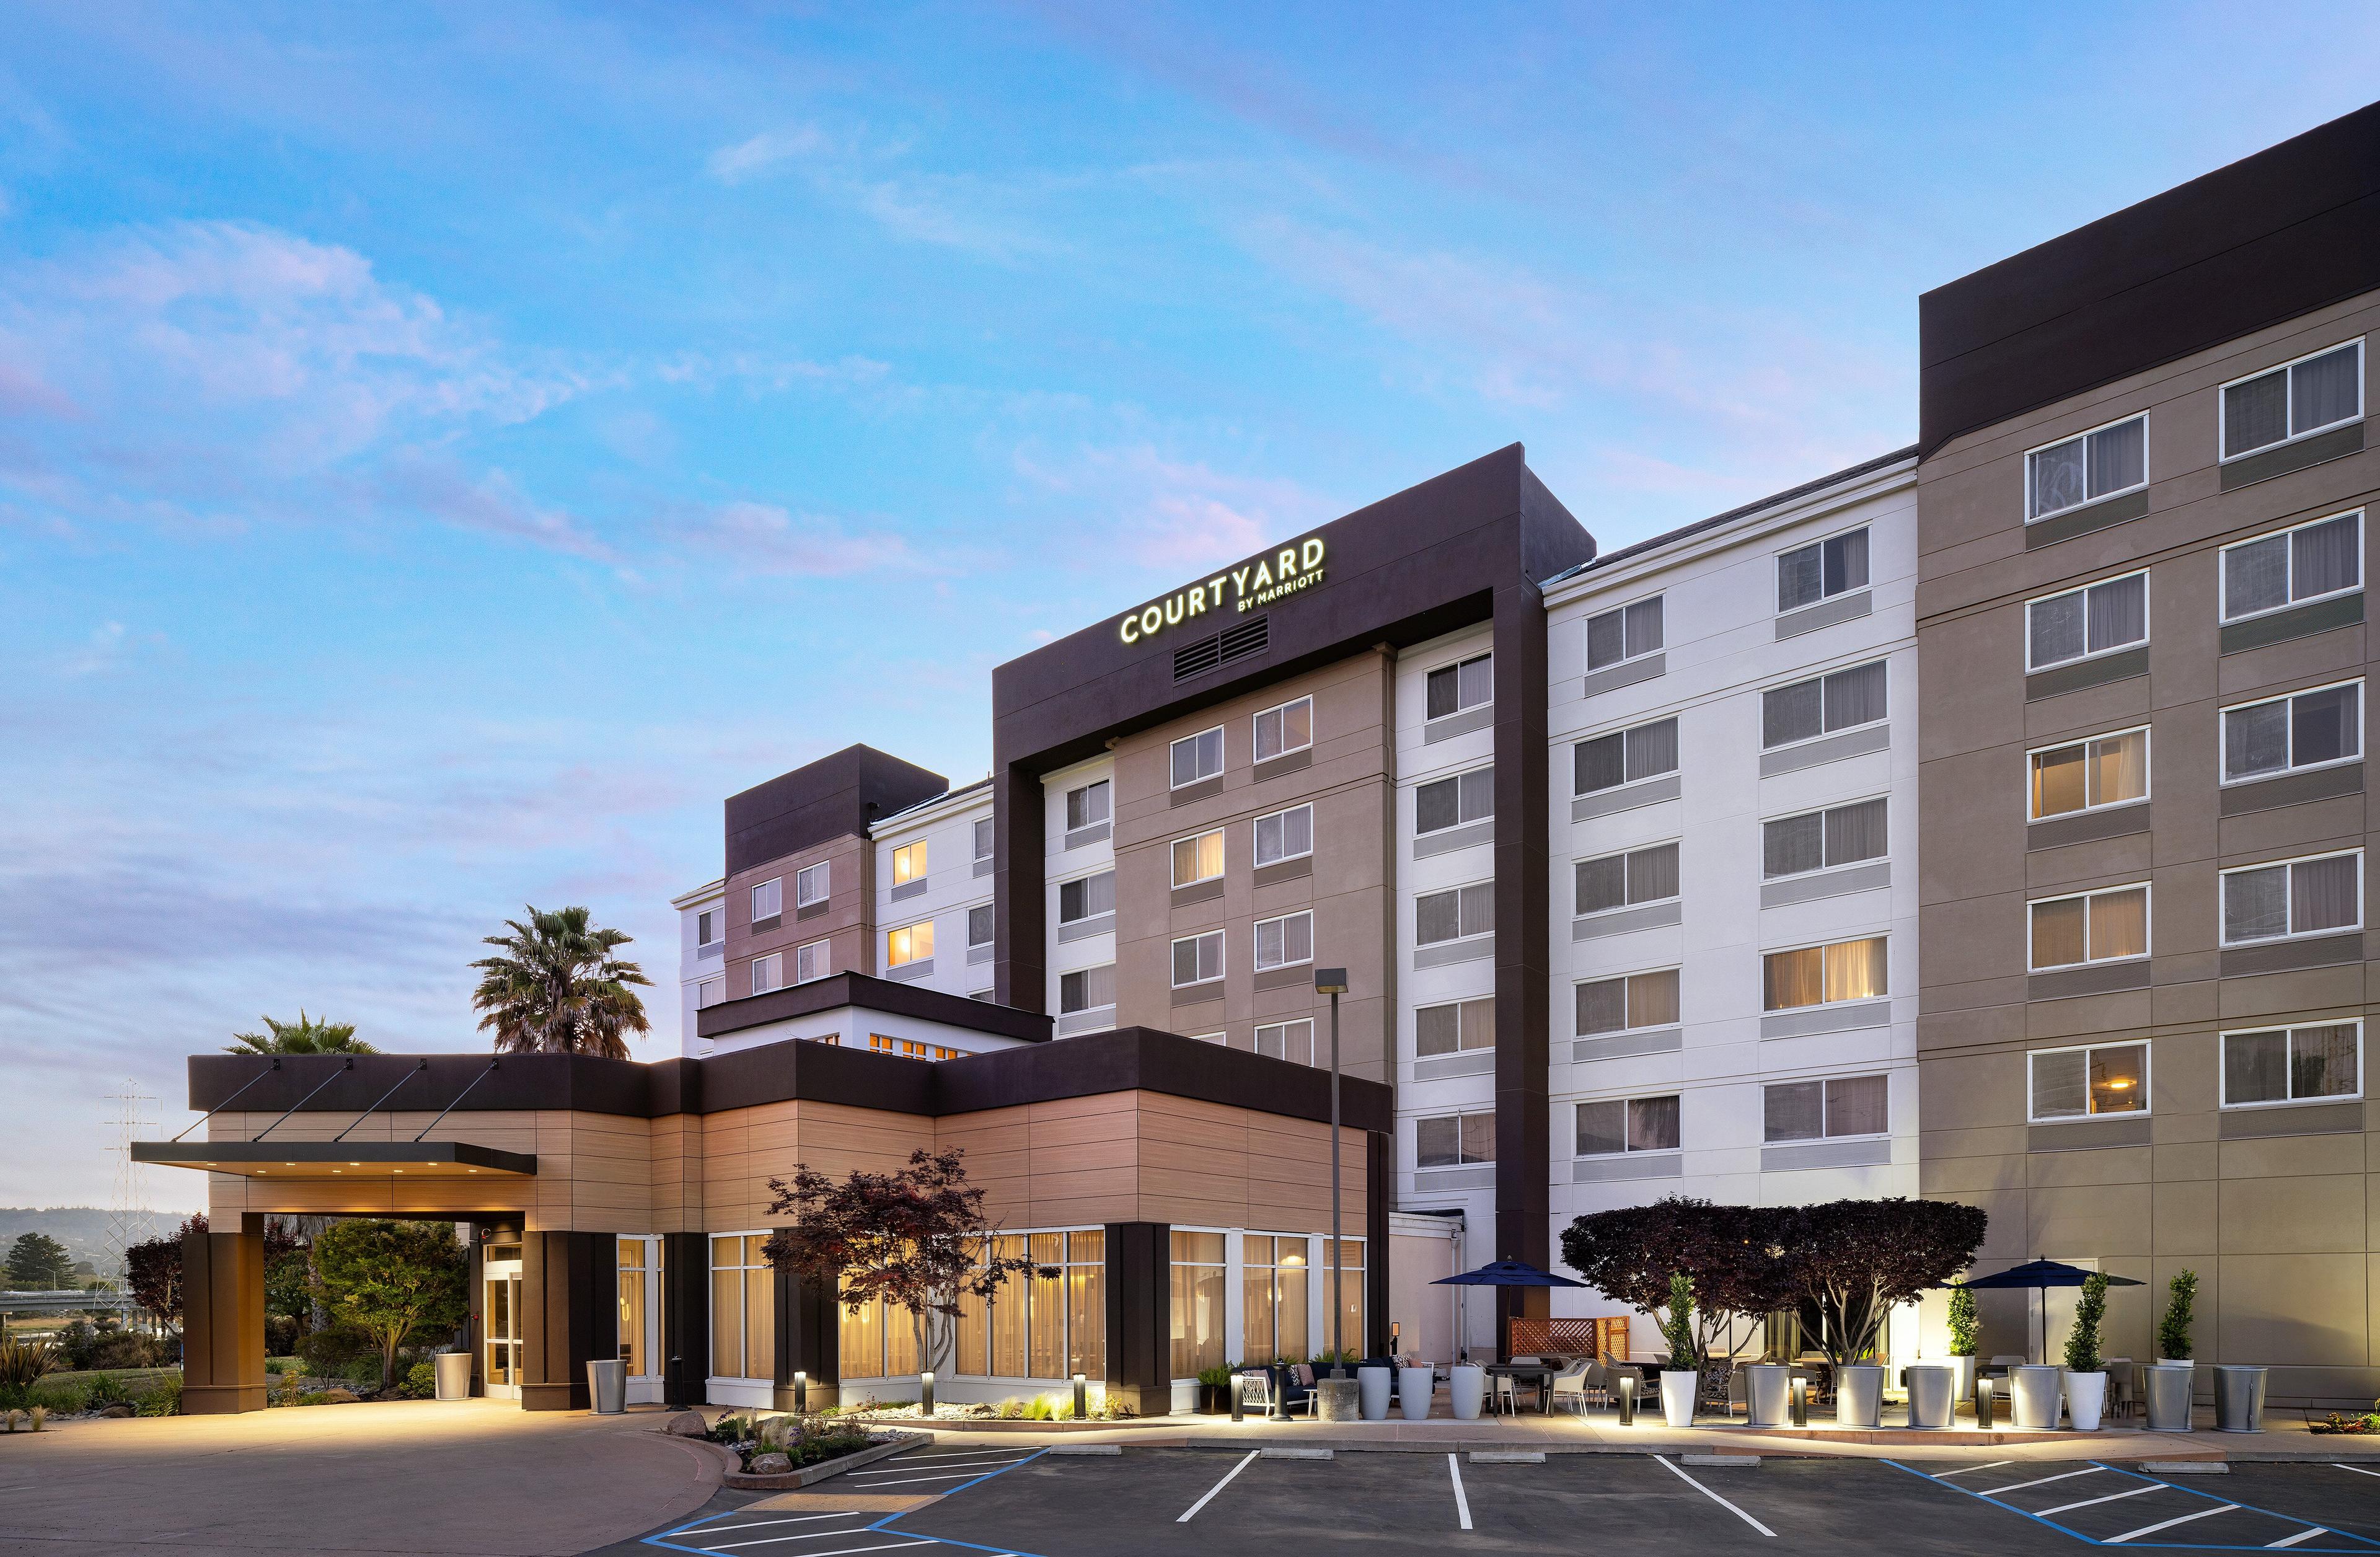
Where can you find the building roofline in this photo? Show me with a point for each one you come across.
(715, 887)
(953, 798)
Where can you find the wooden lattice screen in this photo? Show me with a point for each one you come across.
(1599, 1338)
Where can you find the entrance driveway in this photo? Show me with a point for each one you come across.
(474, 1479)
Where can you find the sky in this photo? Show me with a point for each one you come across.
(444, 450)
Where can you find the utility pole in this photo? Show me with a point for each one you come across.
(1332, 981)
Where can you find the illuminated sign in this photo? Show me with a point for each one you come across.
(1253, 584)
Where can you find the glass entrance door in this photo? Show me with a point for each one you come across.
(639, 1313)
(501, 1308)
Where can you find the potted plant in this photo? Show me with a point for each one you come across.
(1966, 1332)
(2172, 1377)
(1858, 1260)
(2086, 1371)
(1215, 1390)
(1681, 1371)
(1415, 1382)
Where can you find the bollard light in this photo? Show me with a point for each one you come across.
(1082, 1397)
(1627, 1402)
(925, 1400)
(1239, 1396)
(1801, 1396)
(1982, 1403)
(801, 1392)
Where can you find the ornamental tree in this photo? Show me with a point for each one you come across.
(392, 1280)
(2173, 1328)
(153, 1269)
(1735, 1256)
(1857, 1259)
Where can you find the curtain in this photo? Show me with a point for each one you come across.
(2058, 786)
(860, 1341)
(1257, 1338)
(2120, 456)
(1602, 1007)
(1008, 1315)
(726, 1320)
(1437, 806)
(1479, 909)
(2119, 924)
(1856, 833)
(1086, 1308)
(2058, 933)
(1289, 1315)
(1478, 794)
(2061, 1087)
(2256, 576)
(2119, 767)
(2256, 903)
(2324, 557)
(1606, 641)
(1792, 1110)
(2119, 1079)
(1791, 978)
(1790, 713)
(1476, 682)
(1855, 969)
(971, 1355)
(1800, 579)
(2328, 389)
(1438, 1029)
(1653, 1124)
(1600, 764)
(1351, 1294)
(1653, 874)
(2255, 1068)
(2057, 477)
(1197, 1302)
(1478, 1022)
(1601, 883)
(2256, 413)
(1438, 1143)
(2119, 612)
(1653, 748)
(1048, 1321)
(759, 1312)
(1437, 917)
(2325, 725)
(2323, 895)
(1479, 1137)
(1856, 1106)
(2256, 740)
(900, 1342)
(2054, 630)
(2321, 1060)
(1653, 998)
(1793, 845)
(1602, 1128)
(1855, 696)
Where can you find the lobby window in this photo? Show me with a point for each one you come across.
(2084, 1083)
(2312, 562)
(1627, 1004)
(1038, 1327)
(2320, 895)
(983, 840)
(1198, 1302)
(1791, 846)
(812, 884)
(2101, 618)
(1197, 959)
(1624, 757)
(710, 992)
(1823, 975)
(768, 899)
(2086, 775)
(1198, 858)
(1087, 988)
(2295, 400)
(743, 1308)
(2102, 463)
(1286, 834)
(909, 863)
(909, 943)
(1450, 802)
(1454, 915)
(812, 962)
(1285, 941)
(1617, 1125)
(1467, 684)
(1280, 731)
(1836, 566)
(1287, 1040)
(767, 973)
(1197, 757)
(1086, 806)
(2309, 729)
(979, 925)
(2322, 1063)
(1828, 1110)
(1625, 881)
(1824, 705)
(2088, 927)
(706, 928)
(1628, 632)
(1456, 1027)
(1087, 898)
(1272, 1299)
(1454, 1140)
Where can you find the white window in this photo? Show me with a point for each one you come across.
(2100, 463)
(1087, 898)
(1283, 730)
(706, 928)
(1285, 835)
(1623, 880)
(1286, 941)
(979, 925)
(2312, 562)
(1455, 1028)
(710, 992)
(2097, 619)
(767, 973)
(1824, 705)
(743, 1308)
(1453, 1140)
(1453, 916)
(2088, 927)
(1452, 688)
(2319, 895)
(1823, 975)
(812, 884)
(1624, 757)
(1208, 1038)
(768, 899)
(1287, 1040)
(1627, 632)
(1085, 806)
(1087, 988)
(1836, 566)
(909, 863)
(2319, 1063)
(1197, 757)
(2310, 729)
(910, 944)
(1622, 1124)
(1450, 802)
(811, 962)
(1822, 840)
(1836, 1107)
(1197, 959)
(2089, 775)
(2295, 400)
(1198, 858)
(1629, 1004)
(983, 845)
(2082, 1083)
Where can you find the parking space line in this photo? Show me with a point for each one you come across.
(2044, 1481)
(2292, 1540)
(1218, 1487)
(838, 1552)
(2357, 1469)
(1714, 1497)
(2169, 1524)
(2088, 1502)
(1462, 1503)
(1969, 1470)
(905, 1463)
(917, 1480)
(789, 1519)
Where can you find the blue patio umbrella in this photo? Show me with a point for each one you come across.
(1506, 1273)
(2038, 1275)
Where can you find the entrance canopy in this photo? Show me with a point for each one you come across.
(325, 1161)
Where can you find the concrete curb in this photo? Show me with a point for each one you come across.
(737, 1477)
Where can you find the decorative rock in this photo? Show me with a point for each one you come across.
(115, 1411)
(686, 1424)
(770, 1463)
(339, 1397)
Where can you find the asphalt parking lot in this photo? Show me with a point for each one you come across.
(1038, 1504)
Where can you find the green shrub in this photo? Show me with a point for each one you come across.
(22, 1363)
(1039, 1409)
(62, 1397)
(420, 1381)
(362, 1373)
(283, 1365)
(2173, 1328)
(163, 1398)
(1217, 1377)
(1966, 1324)
(326, 1353)
(2082, 1341)
(1678, 1325)
(105, 1389)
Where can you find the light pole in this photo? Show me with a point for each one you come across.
(1332, 981)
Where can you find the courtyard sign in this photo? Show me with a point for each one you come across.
(1260, 582)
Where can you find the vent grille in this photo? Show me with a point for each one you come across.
(1208, 653)
(1199, 658)
(1249, 638)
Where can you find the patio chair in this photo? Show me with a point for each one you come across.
(1507, 1398)
(1300, 1391)
(1718, 1384)
(1569, 1384)
(1598, 1382)
(2123, 1387)
(1256, 1387)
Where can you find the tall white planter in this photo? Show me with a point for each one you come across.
(2032, 1397)
(1965, 1388)
(1415, 1386)
(1375, 1383)
(2087, 1399)
(1466, 1387)
(1859, 1396)
(1678, 1386)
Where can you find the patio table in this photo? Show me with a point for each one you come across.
(1539, 1374)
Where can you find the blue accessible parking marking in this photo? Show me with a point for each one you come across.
(2103, 1505)
(772, 1533)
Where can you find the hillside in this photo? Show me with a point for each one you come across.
(82, 1228)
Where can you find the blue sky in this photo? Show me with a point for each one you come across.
(444, 450)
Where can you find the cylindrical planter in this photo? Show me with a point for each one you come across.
(1933, 1394)
(1767, 1393)
(1965, 1368)
(2032, 1397)
(2087, 1399)
(2170, 1388)
(1678, 1385)
(454, 1372)
(1376, 1384)
(1859, 1396)
(1415, 1386)
(607, 1386)
(1466, 1387)
(2239, 1399)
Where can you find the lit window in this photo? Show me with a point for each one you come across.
(1087, 988)
(2097, 619)
(1807, 575)
(2295, 400)
(1284, 942)
(710, 992)
(1452, 1140)
(909, 863)
(1198, 756)
(2309, 562)
(1285, 835)
(1823, 705)
(1452, 688)
(1822, 840)
(2315, 896)
(1624, 757)
(812, 884)
(1087, 898)
(881, 1043)
(983, 844)
(767, 973)
(1802, 1110)
(706, 928)
(979, 927)
(2310, 729)
(1085, 806)
(1618, 1126)
(2102, 463)
(2086, 775)
(811, 962)
(768, 899)
(1628, 1004)
(1198, 858)
(1283, 730)
(2322, 1064)
(1624, 880)
(1450, 802)
(743, 1308)
(909, 943)
(1453, 915)
(1455, 1028)
(1287, 1040)
(1197, 959)
(2090, 927)
(1628, 632)
(2081, 1083)
(1823, 975)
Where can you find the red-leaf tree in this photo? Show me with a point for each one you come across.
(152, 1270)
(1857, 1258)
(1734, 1255)
(917, 1239)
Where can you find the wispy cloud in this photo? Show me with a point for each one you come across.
(765, 538)
(1170, 514)
(988, 218)
(766, 152)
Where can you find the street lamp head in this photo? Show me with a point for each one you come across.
(1331, 980)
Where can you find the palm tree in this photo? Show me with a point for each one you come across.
(556, 989)
(304, 1036)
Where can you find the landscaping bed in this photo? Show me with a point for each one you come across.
(778, 1452)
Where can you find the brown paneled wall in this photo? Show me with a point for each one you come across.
(851, 888)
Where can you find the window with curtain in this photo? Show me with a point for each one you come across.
(979, 925)
(1824, 1110)
(1453, 916)
(1450, 802)
(1284, 942)
(813, 883)
(1618, 881)
(2101, 463)
(1451, 1140)
(2084, 1083)
(910, 944)
(1284, 835)
(769, 898)
(983, 839)
(2317, 896)
(1197, 959)
(2322, 1063)
(1823, 705)
(628, 1261)
(1087, 988)
(2310, 562)
(1036, 1325)
(767, 973)
(1088, 897)
(743, 1308)
(1287, 1040)
(1624, 757)
(1087, 805)
(1822, 975)
(1273, 1299)
(1351, 1296)
(2309, 729)
(1639, 999)
(1009, 1312)
(1198, 858)
(909, 863)
(1454, 1027)
(1197, 757)
(1615, 1125)
(1628, 632)
(1280, 731)
(1452, 688)
(2090, 927)
(2097, 619)
(1197, 1302)
(2086, 776)
(1807, 575)
(2294, 400)
(1820, 840)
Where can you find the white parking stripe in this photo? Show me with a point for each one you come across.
(2292, 1540)
(1969, 1470)
(895, 1467)
(946, 1476)
(2169, 1524)
(1717, 1499)
(2357, 1469)
(2087, 1503)
(814, 1535)
(2044, 1481)
(838, 1552)
(1218, 1487)
(708, 1530)
(1462, 1503)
